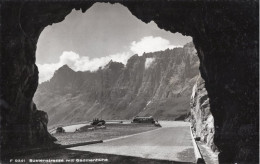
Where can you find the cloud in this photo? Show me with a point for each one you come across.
(46, 71)
(79, 63)
(151, 44)
(84, 63)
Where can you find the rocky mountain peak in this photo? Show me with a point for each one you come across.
(63, 73)
(64, 69)
(114, 65)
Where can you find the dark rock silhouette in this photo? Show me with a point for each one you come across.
(40, 121)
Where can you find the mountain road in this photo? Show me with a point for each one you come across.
(171, 142)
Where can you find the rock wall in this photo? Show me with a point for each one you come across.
(202, 121)
(225, 34)
(157, 84)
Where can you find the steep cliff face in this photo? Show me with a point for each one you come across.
(200, 115)
(157, 84)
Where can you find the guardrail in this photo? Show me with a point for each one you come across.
(198, 156)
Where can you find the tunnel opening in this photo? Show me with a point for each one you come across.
(227, 48)
(142, 46)
(149, 72)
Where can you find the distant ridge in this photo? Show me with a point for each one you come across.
(161, 88)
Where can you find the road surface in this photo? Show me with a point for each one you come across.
(171, 142)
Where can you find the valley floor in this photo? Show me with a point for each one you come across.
(111, 131)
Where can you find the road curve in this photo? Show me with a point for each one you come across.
(171, 142)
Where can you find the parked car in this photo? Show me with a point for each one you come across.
(139, 119)
(97, 121)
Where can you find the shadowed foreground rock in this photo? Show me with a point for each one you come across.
(39, 128)
(225, 35)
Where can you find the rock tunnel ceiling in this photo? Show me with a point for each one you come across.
(225, 35)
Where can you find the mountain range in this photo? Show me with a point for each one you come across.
(157, 84)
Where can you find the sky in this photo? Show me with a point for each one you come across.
(86, 41)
